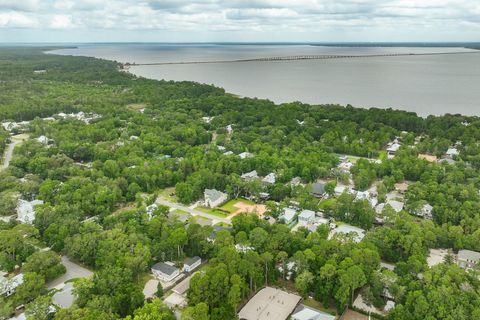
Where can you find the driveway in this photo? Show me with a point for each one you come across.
(193, 212)
(9, 151)
(73, 271)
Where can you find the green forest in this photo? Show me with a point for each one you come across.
(97, 178)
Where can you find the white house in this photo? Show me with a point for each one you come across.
(393, 148)
(26, 210)
(245, 155)
(270, 178)
(44, 140)
(250, 175)
(214, 198)
(288, 216)
(229, 129)
(9, 285)
(306, 217)
(306, 313)
(357, 233)
(165, 271)
(151, 209)
(427, 211)
(192, 263)
(467, 259)
(243, 248)
(451, 152)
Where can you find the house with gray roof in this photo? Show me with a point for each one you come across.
(306, 313)
(270, 178)
(165, 271)
(192, 263)
(26, 210)
(318, 189)
(468, 259)
(250, 175)
(214, 198)
(288, 216)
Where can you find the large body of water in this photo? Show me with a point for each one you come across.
(425, 84)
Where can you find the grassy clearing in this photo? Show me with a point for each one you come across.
(137, 106)
(168, 194)
(229, 206)
(180, 211)
(326, 203)
(213, 211)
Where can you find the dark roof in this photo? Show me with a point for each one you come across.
(318, 188)
(164, 268)
(193, 260)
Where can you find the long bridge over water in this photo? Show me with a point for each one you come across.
(300, 57)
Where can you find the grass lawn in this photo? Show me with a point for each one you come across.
(317, 305)
(167, 194)
(229, 206)
(180, 211)
(326, 203)
(213, 211)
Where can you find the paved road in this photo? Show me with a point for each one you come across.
(73, 271)
(9, 151)
(193, 212)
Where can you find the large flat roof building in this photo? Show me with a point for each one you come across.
(270, 304)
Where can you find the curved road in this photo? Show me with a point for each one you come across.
(193, 212)
(9, 151)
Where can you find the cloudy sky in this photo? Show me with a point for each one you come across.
(238, 20)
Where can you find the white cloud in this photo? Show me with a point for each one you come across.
(329, 17)
(61, 21)
(16, 20)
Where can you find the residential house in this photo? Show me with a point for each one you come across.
(151, 209)
(401, 187)
(428, 157)
(306, 313)
(250, 175)
(396, 205)
(9, 285)
(345, 166)
(392, 148)
(229, 129)
(245, 155)
(296, 181)
(306, 217)
(243, 248)
(214, 198)
(207, 119)
(192, 263)
(452, 152)
(318, 189)
(44, 140)
(288, 216)
(270, 178)
(26, 210)
(228, 153)
(467, 259)
(357, 233)
(426, 211)
(165, 271)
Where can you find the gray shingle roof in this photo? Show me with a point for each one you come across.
(468, 255)
(193, 260)
(213, 194)
(318, 188)
(164, 268)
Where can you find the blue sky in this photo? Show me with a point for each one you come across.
(238, 20)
